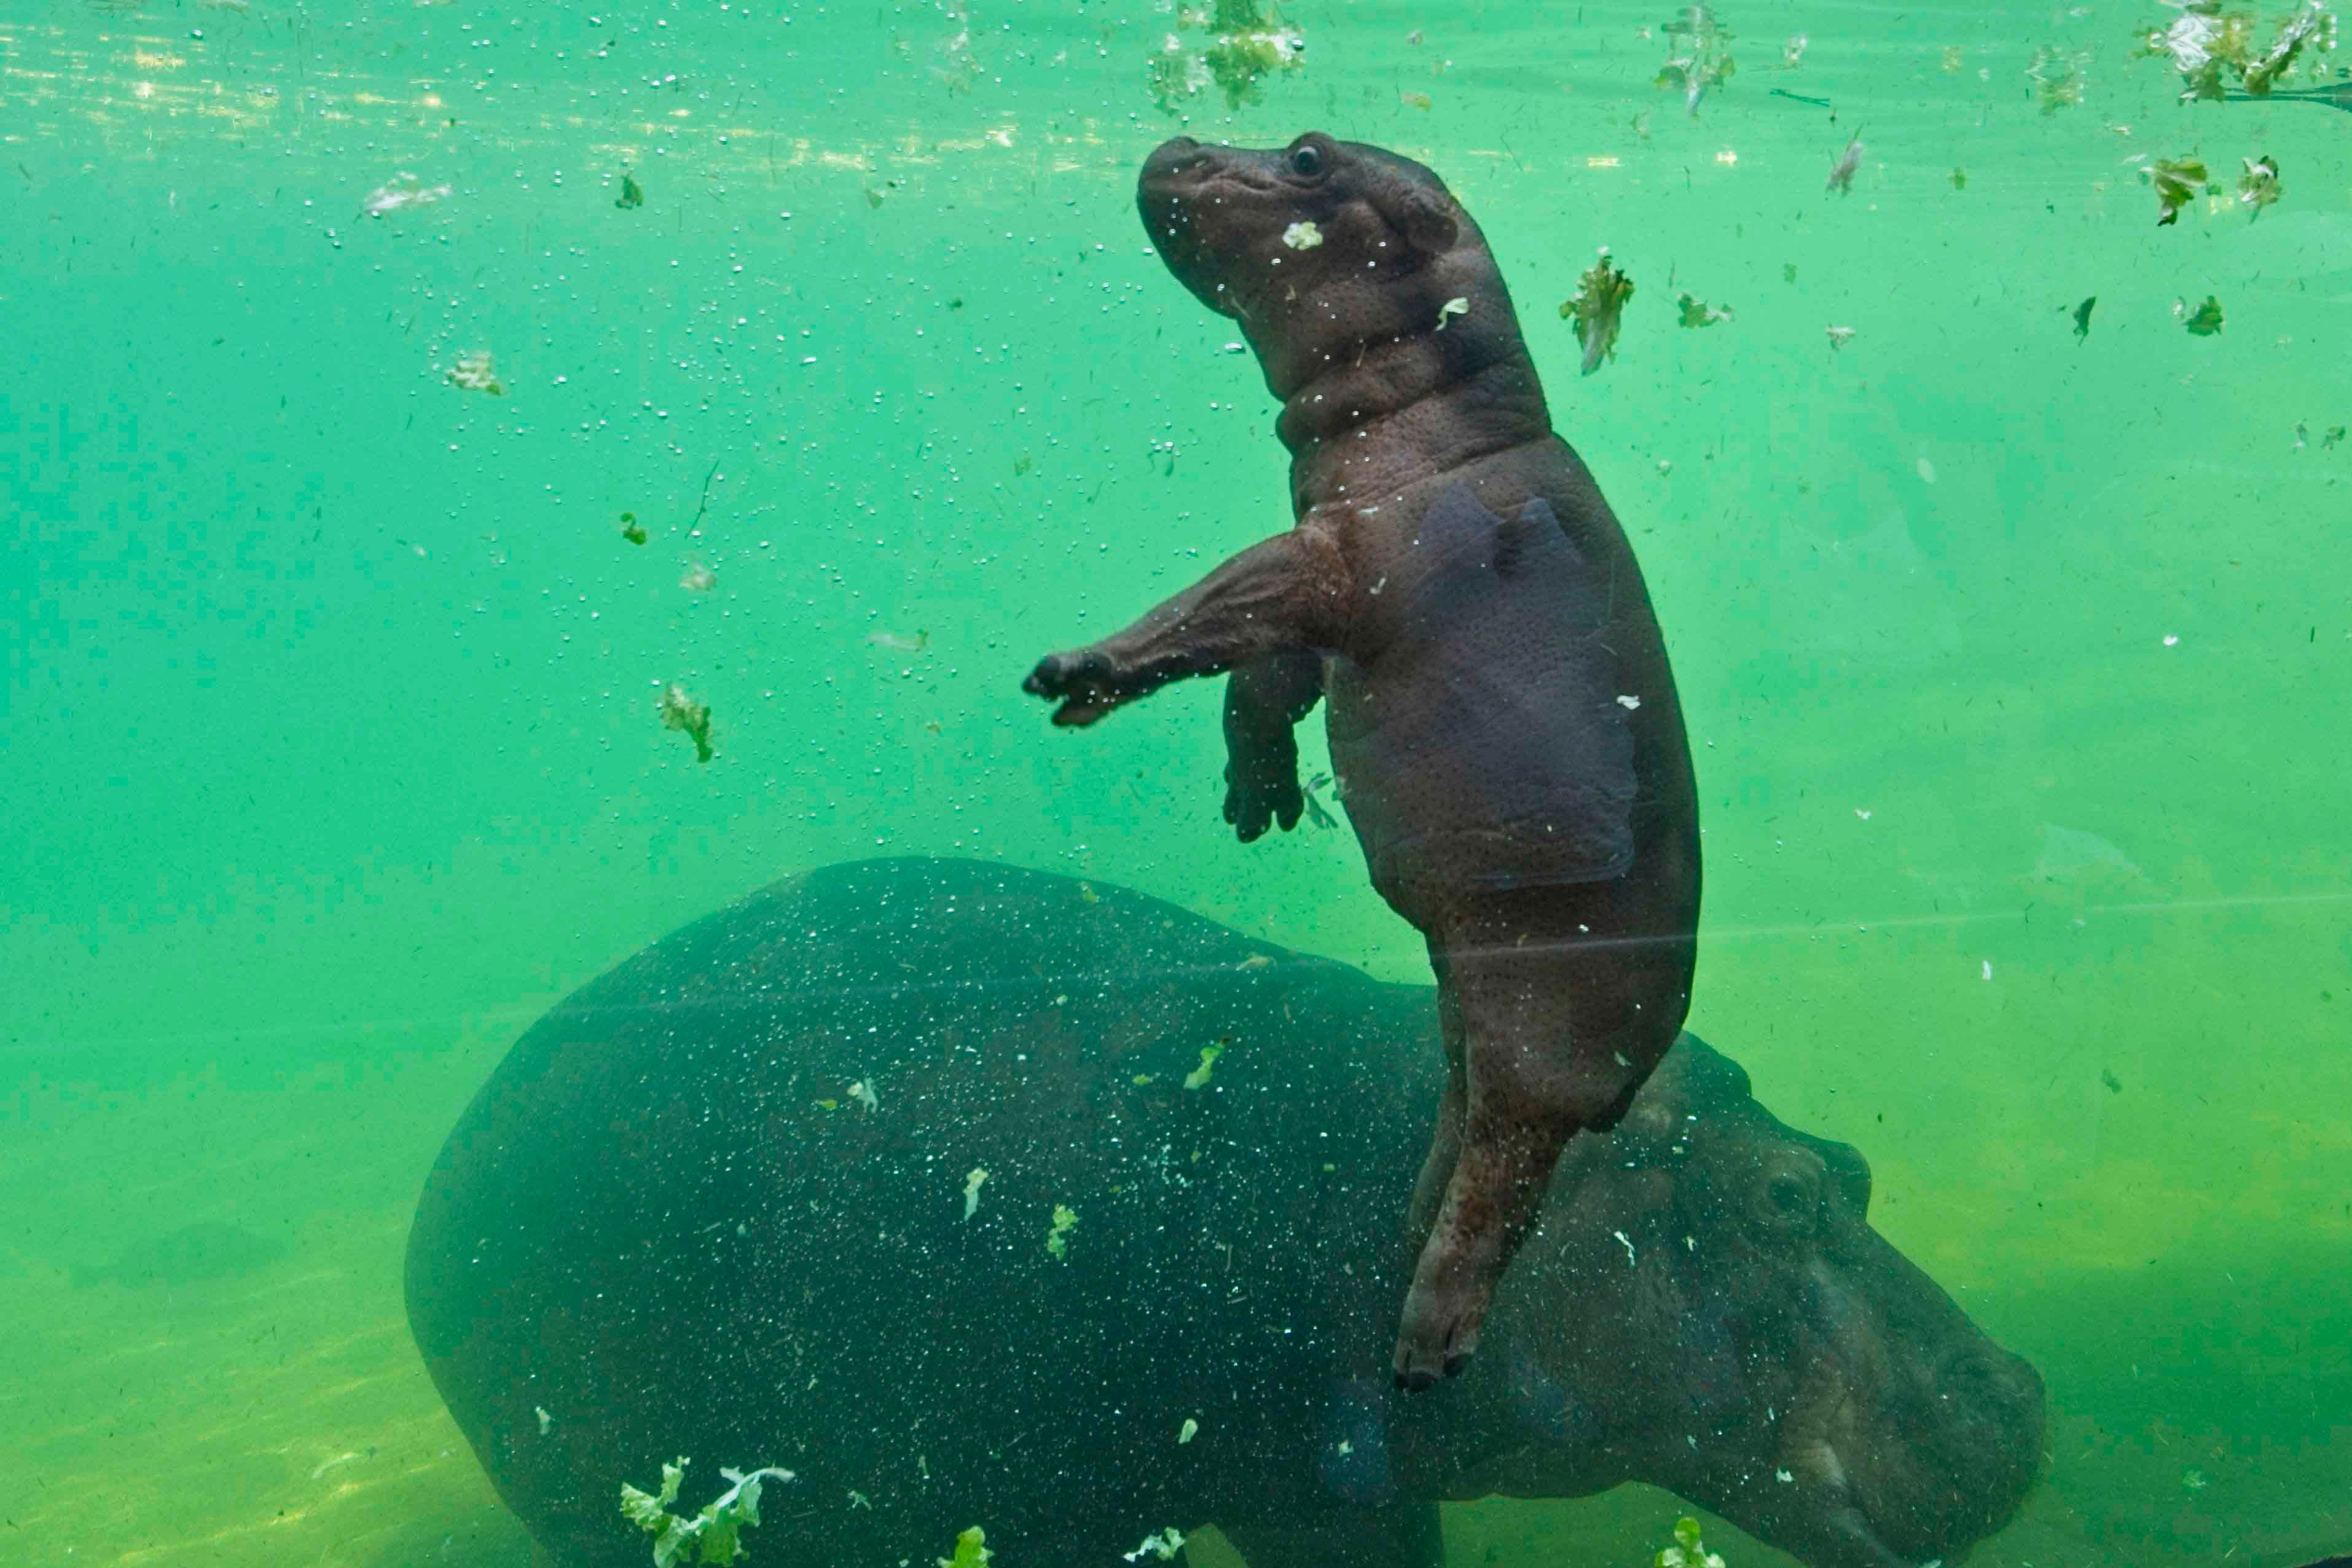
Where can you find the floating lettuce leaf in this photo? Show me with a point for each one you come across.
(1164, 1546)
(2203, 43)
(1688, 1551)
(1065, 1220)
(2178, 181)
(1199, 1077)
(2083, 316)
(971, 1551)
(2208, 44)
(2057, 76)
(1697, 313)
(2206, 320)
(1598, 310)
(1699, 54)
(2312, 26)
(681, 712)
(1244, 45)
(2258, 187)
(714, 1535)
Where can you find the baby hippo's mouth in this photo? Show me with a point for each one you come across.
(1179, 168)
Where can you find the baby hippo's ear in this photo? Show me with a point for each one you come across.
(1424, 216)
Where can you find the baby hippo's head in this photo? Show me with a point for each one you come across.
(1324, 250)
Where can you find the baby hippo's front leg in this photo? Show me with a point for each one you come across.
(1281, 593)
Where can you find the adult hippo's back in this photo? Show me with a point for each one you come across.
(671, 1223)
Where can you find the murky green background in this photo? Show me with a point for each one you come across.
(329, 753)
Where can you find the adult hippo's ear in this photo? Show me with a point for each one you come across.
(1423, 214)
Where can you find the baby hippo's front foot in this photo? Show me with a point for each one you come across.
(1087, 683)
(1258, 797)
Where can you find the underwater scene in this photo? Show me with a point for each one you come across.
(561, 1004)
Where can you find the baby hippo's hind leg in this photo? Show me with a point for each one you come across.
(1557, 1036)
(1445, 1141)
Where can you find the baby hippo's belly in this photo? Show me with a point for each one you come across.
(1459, 781)
(1489, 742)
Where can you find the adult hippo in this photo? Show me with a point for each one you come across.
(724, 1202)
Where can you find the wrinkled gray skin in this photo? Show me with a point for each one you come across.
(649, 1226)
(1504, 726)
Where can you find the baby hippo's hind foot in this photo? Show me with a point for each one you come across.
(1440, 1330)
(1491, 1202)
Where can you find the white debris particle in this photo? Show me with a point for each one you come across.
(1626, 1242)
(1862, 812)
(1988, 969)
(1627, 702)
(2172, 639)
(1302, 236)
(545, 1420)
(972, 1190)
(1783, 1477)
(1187, 1432)
(1457, 306)
(1927, 471)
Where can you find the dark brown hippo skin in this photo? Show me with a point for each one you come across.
(651, 1224)
(1504, 726)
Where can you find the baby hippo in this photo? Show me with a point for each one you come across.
(1503, 723)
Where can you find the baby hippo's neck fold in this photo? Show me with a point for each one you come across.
(1362, 434)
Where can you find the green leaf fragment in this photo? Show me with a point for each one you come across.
(1697, 313)
(1245, 44)
(713, 1535)
(971, 1551)
(2178, 181)
(1598, 310)
(1065, 1220)
(1199, 1077)
(1688, 1551)
(2312, 26)
(1698, 57)
(2258, 187)
(2208, 44)
(2057, 76)
(2206, 320)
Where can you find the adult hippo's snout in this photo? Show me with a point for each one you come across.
(1820, 1389)
(1953, 1456)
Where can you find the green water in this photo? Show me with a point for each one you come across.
(328, 729)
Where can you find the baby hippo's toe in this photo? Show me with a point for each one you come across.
(1084, 681)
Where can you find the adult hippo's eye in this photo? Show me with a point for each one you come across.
(1788, 1195)
(1307, 159)
(1787, 1201)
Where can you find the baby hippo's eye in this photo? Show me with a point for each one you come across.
(1307, 159)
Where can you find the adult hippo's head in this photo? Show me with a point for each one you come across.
(1777, 1361)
